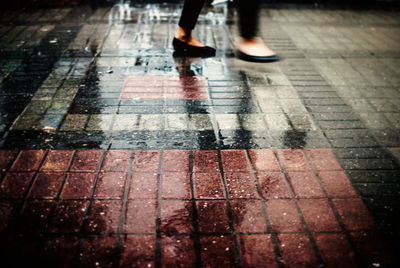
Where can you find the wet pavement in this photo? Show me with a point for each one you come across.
(114, 153)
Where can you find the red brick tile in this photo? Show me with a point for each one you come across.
(323, 159)
(57, 160)
(248, 216)
(177, 217)
(6, 212)
(335, 250)
(142, 89)
(174, 96)
(190, 81)
(208, 185)
(297, 250)
(61, 251)
(146, 84)
(14, 185)
(116, 161)
(141, 217)
(143, 82)
(87, 161)
(217, 251)
(175, 161)
(173, 89)
(138, 251)
(195, 96)
(28, 160)
(6, 158)
(212, 217)
(305, 185)
(188, 90)
(175, 186)
(336, 184)
(264, 160)
(177, 251)
(127, 96)
(141, 95)
(354, 214)
(273, 185)
(78, 186)
(173, 84)
(240, 185)
(23, 250)
(156, 84)
(143, 186)
(235, 160)
(319, 215)
(257, 251)
(46, 185)
(110, 185)
(104, 217)
(146, 161)
(283, 216)
(34, 215)
(68, 216)
(373, 248)
(293, 160)
(99, 252)
(205, 161)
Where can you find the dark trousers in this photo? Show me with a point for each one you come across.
(247, 10)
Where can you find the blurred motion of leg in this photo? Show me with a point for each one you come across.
(250, 47)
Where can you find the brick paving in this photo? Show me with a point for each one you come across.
(179, 207)
(114, 153)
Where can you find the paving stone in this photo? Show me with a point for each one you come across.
(335, 116)
(354, 143)
(150, 122)
(252, 255)
(100, 122)
(228, 121)
(293, 106)
(377, 189)
(252, 122)
(340, 124)
(277, 122)
(395, 152)
(372, 164)
(393, 118)
(355, 153)
(297, 250)
(387, 137)
(329, 109)
(375, 120)
(319, 215)
(377, 176)
(74, 122)
(200, 122)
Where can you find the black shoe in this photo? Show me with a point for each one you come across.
(183, 49)
(246, 57)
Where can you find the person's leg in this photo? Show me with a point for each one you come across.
(248, 42)
(190, 13)
(248, 11)
(187, 22)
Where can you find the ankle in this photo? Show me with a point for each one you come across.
(250, 41)
(183, 35)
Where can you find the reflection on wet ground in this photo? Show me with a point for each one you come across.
(120, 153)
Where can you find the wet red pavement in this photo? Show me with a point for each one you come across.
(213, 208)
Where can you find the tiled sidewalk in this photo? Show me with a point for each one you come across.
(115, 153)
(177, 207)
